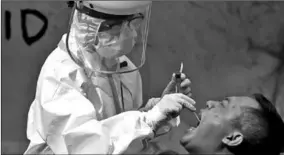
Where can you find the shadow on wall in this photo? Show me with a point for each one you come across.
(228, 48)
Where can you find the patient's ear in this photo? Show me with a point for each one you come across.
(233, 139)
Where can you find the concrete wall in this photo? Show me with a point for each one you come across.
(22, 58)
(228, 48)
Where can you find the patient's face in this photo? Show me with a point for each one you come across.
(215, 124)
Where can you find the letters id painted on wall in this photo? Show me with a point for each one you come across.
(29, 40)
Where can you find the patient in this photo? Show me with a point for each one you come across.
(237, 125)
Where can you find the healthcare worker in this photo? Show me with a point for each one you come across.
(88, 91)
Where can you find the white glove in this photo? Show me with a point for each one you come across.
(168, 108)
(170, 89)
(150, 104)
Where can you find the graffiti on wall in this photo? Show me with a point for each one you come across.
(260, 28)
(29, 39)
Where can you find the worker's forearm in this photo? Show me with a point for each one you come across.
(109, 136)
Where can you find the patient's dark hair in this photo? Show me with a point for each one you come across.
(262, 128)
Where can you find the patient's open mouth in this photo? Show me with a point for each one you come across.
(194, 127)
(198, 117)
(197, 124)
(191, 129)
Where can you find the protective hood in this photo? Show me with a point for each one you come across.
(101, 39)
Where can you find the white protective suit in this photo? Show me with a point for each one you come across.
(62, 120)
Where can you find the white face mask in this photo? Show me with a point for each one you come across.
(117, 46)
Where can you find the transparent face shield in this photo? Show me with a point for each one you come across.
(102, 41)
